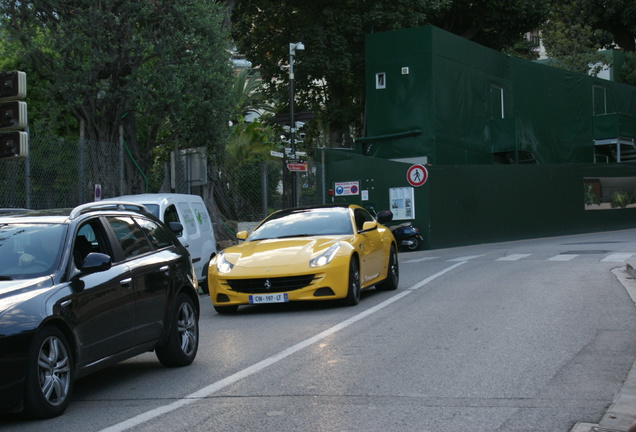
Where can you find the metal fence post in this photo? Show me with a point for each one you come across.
(264, 186)
(82, 164)
(121, 160)
(27, 175)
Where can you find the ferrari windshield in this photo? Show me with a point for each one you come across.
(304, 222)
(29, 250)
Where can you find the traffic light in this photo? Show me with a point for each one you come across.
(13, 115)
(12, 85)
(14, 144)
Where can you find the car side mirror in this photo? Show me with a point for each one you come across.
(385, 216)
(96, 262)
(176, 228)
(241, 235)
(369, 225)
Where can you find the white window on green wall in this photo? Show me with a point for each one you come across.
(380, 80)
(496, 102)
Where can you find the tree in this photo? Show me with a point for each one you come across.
(159, 68)
(578, 29)
(329, 74)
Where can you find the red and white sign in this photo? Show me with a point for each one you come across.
(298, 166)
(417, 175)
(347, 188)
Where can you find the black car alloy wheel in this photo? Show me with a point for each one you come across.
(49, 379)
(182, 344)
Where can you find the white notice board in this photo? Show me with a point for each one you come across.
(402, 203)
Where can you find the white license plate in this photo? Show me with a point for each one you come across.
(268, 298)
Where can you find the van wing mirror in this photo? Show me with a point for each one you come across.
(176, 228)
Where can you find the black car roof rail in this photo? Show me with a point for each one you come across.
(104, 205)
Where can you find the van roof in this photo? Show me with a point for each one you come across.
(156, 197)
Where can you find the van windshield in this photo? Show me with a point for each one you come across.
(152, 208)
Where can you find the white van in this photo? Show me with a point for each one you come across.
(189, 211)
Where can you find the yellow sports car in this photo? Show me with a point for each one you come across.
(312, 253)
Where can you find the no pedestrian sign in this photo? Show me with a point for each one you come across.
(417, 175)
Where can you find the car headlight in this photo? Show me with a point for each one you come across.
(223, 265)
(325, 257)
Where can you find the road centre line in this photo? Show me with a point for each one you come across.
(257, 367)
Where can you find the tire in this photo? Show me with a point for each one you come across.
(226, 310)
(205, 289)
(353, 290)
(203, 285)
(50, 374)
(183, 339)
(393, 273)
(415, 245)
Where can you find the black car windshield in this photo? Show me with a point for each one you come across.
(304, 222)
(29, 250)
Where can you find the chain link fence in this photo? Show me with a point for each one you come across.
(62, 174)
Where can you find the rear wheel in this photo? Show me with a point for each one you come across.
(353, 291)
(49, 378)
(393, 273)
(414, 245)
(183, 340)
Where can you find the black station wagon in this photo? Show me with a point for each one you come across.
(85, 288)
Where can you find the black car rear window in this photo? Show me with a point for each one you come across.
(131, 237)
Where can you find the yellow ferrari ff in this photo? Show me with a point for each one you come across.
(312, 253)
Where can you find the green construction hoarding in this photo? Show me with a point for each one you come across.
(512, 148)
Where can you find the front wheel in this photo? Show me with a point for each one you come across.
(353, 291)
(182, 344)
(392, 275)
(49, 377)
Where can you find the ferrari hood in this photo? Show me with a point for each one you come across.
(273, 253)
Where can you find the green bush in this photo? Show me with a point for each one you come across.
(620, 199)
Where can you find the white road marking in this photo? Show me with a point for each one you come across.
(513, 257)
(219, 385)
(464, 259)
(419, 260)
(617, 257)
(563, 257)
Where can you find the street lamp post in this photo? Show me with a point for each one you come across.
(293, 47)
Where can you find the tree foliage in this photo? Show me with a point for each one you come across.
(159, 68)
(329, 74)
(578, 29)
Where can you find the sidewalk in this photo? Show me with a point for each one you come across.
(622, 413)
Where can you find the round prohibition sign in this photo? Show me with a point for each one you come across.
(417, 175)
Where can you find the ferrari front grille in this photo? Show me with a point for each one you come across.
(267, 285)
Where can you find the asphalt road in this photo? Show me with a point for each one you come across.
(532, 335)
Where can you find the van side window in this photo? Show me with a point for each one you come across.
(201, 215)
(188, 218)
(171, 214)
